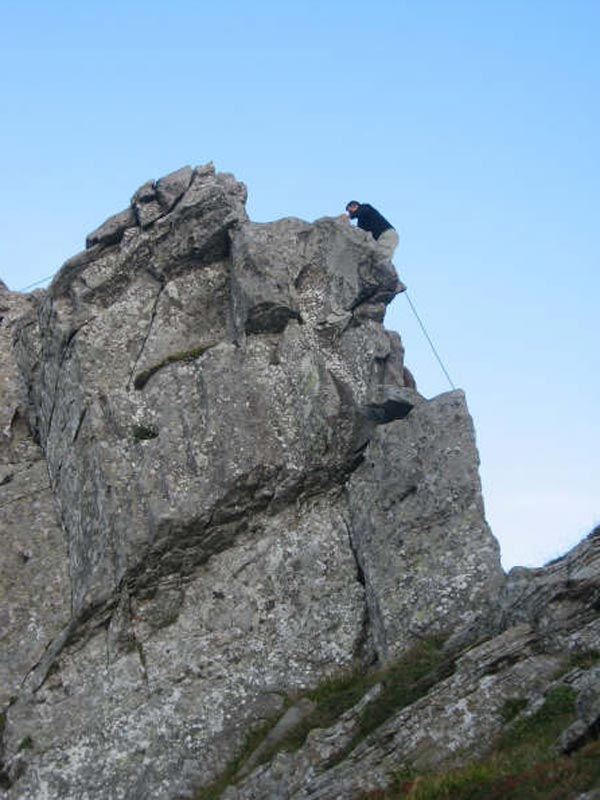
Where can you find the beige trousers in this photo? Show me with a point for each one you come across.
(387, 243)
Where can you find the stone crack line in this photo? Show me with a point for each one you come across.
(162, 285)
(26, 495)
(365, 639)
(63, 358)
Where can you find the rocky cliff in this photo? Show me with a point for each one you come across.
(219, 490)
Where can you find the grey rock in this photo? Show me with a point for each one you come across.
(190, 690)
(253, 497)
(288, 773)
(266, 265)
(416, 514)
(145, 204)
(587, 705)
(573, 737)
(146, 193)
(34, 582)
(112, 231)
(393, 402)
(562, 597)
(84, 257)
(460, 716)
(587, 711)
(181, 454)
(171, 187)
(158, 337)
(290, 720)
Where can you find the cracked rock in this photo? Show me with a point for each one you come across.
(251, 497)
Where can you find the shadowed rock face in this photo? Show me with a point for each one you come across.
(250, 497)
(34, 579)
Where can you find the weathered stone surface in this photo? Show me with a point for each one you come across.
(145, 194)
(290, 720)
(462, 715)
(34, 584)
(180, 676)
(287, 773)
(171, 187)
(418, 529)
(111, 231)
(160, 338)
(563, 598)
(145, 204)
(176, 443)
(254, 498)
(266, 265)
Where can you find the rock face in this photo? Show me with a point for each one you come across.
(545, 618)
(216, 492)
(35, 595)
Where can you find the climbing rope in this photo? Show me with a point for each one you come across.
(37, 283)
(435, 352)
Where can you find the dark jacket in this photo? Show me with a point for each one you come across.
(369, 219)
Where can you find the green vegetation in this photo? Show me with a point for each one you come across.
(578, 659)
(523, 766)
(405, 681)
(538, 732)
(142, 378)
(584, 659)
(561, 778)
(402, 682)
(214, 790)
(512, 707)
(26, 743)
(143, 432)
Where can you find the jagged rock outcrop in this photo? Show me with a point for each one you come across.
(548, 617)
(250, 496)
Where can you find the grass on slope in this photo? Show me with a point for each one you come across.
(403, 682)
(524, 765)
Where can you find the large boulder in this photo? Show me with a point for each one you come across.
(252, 499)
(418, 527)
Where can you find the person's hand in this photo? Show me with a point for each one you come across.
(344, 216)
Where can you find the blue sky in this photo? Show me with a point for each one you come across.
(473, 126)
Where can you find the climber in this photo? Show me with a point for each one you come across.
(369, 219)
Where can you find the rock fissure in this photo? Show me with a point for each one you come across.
(65, 348)
(160, 290)
(363, 652)
(79, 424)
(187, 356)
(25, 496)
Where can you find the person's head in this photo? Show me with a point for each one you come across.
(352, 208)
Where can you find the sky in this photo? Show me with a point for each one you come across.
(474, 127)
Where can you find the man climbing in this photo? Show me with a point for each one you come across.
(369, 219)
